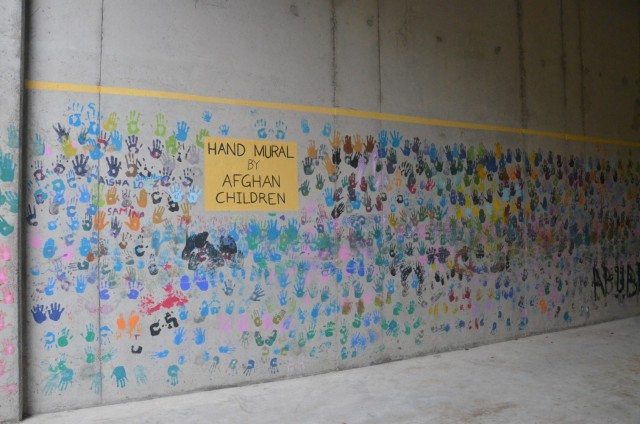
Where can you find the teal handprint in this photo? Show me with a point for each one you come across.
(37, 145)
(14, 140)
(7, 168)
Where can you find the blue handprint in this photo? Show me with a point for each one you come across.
(185, 284)
(206, 116)
(261, 126)
(104, 290)
(172, 372)
(194, 194)
(200, 278)
(282, 298)
(204, 309)
(55, 311)
(326, 130)
(248, 369)
(183, 131)
(116, 141)
(49, 340)
(95, 151)
(299, 289)
(329, 197)
(49, 249)
(135, 287)
(183, 313)
(391, 287)
(215, 306)
(272, 230)
(223, 130)
(304, 124)
(281, 130)
(366, 319)
(48, 289)
(226, 349)
(406, 149)
(75, 118)
(38, 313)
(81, 284)
(376, 317)
(356, 203)
(396, 137)
(178, 337)
(198, 336)
(66, 378)
(85, 246)
(315, 311)
(120, 374)
(302, 315)
(175, 191)
(160, 354)
(85, 195)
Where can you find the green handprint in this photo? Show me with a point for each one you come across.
(112, 122)
(304, 188)
(91, 334)
(356, 321)
(200, 137)
(407, 328)
(417, 323)
(133, 122)
(172, 145)
(161, 125)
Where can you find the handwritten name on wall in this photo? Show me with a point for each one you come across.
(246, 175)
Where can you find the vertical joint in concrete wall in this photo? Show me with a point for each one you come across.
(563, 64)
(379, 59)
(635, 124)
(582, 72)
(99, 174)
(334, 62)
(524, 112)
(21, 187)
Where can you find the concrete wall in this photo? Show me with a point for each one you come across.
(412, 236)
(11, 51)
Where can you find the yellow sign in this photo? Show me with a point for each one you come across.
(250, 175)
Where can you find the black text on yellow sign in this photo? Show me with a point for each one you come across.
(250, 175)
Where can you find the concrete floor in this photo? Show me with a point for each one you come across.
(584, 375)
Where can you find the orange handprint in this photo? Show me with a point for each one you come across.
(142, 198)
(336, 141)
(134, 221)
(312, 152)
(100, 221)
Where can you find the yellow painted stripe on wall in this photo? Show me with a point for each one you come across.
(350, 113)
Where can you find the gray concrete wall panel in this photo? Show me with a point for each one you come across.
(410, 238)
(11, 71)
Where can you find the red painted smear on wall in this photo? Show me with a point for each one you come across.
(173, 299)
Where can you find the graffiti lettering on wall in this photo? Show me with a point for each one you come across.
(620, 280)
(396, 241)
